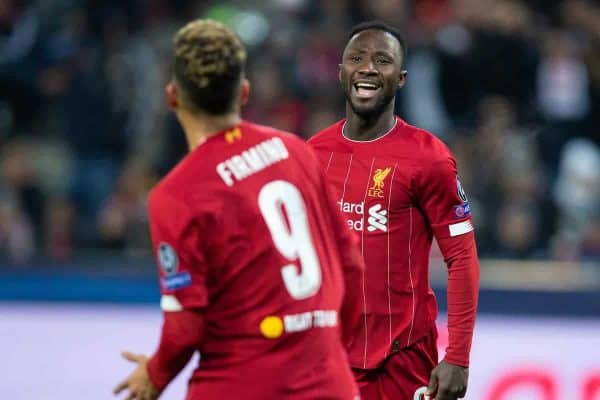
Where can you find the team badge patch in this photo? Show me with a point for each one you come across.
(464, 209)
(378, 182)
(461, 191)
(167, 258)
(169, 264)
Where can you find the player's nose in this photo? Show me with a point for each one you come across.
(367, 67)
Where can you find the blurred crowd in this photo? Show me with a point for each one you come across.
(512, 86)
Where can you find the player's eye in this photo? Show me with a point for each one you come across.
(355, 59)
(382, 61)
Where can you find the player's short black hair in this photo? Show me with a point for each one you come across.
(209, 61)
(380, 26)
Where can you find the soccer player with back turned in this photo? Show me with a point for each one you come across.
(398, 188)
(246, 237)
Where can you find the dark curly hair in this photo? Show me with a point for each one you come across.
(209, 61)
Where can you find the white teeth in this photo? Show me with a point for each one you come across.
(369, 86)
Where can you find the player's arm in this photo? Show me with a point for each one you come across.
(182, 271)
(182, 275)
(442, 199)
(181, 336)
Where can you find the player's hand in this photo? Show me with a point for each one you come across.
(138, 383)
(448, 382)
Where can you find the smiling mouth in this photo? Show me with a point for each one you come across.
(366, 90)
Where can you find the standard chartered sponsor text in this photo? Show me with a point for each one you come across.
(377, 216)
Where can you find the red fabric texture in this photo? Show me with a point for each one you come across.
(181, 336)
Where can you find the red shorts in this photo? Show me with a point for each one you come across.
(402, 373)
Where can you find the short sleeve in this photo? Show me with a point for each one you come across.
(443, 200)
(177, 249)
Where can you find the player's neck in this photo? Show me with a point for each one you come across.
(198, 128)
(363, 129)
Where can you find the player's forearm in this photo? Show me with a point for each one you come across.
(181, 336)
(460, 254)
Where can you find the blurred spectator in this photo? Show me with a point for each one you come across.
(318, 59)
(590, 241)
(577, 191)
(16, 236)
(123, 220)
(59, 240)
(271, 101)
(97, 144)
(19, 57)
(133, 72)
(517, 228)
(563, 93)
(562, 80)
(422, 98)
(18, 176)
(583, 20)
(578, 186)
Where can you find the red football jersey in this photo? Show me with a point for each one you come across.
(245, 229)
(397, 192)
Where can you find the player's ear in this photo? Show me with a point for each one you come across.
(340, 73)
(244, 91)
(402, 78)
(171, 96)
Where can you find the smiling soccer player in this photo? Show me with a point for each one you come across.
(398, 188)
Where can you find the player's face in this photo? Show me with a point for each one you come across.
(371, 72)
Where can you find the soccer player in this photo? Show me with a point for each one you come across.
(398, 188)
(246, 238)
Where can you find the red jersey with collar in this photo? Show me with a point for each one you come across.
(397, 192)
(246, 230)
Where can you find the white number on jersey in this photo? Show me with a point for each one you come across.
(275, 199)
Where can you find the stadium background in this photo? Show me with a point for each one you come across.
(512, 86)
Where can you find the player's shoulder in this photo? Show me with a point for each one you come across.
(178, 186)
(164, 194)
(429, 146)
(327, 136)
(179, 198)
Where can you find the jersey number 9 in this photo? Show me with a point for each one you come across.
(278, 200)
